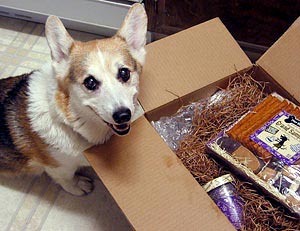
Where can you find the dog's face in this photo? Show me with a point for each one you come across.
(100, 78)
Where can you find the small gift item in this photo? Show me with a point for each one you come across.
(284, 184)
(268, 174)
(223, 193)
(292, 171)
(293, 200)
(271, 131)
(239, 152)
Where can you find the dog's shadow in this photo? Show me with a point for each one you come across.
(98, 207)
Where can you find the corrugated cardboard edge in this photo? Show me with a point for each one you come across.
(151, 185)
(188, 61)
(282, 60)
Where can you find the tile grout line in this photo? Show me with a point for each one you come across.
(38, 52)
(20, 204)
(2, 70)
(21, 46)
(7, 46)
(44, 218)
(25, 40)
(35, 206)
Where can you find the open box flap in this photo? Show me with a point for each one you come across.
(187, 61)
(282, 60)
(151, 185)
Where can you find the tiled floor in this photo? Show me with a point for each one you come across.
(35, 202)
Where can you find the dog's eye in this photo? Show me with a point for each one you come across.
(124, 74)
(91, 83)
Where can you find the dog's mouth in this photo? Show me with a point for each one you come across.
(119, 129)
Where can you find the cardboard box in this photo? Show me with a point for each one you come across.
(149, 183)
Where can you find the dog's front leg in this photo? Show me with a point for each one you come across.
(65, 176)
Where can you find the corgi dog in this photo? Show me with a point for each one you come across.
(88, 92)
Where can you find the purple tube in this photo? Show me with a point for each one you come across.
(223, 193)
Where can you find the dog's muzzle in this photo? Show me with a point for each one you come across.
(120, 129)
(122, 117)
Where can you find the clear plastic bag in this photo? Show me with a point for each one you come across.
(175, 128)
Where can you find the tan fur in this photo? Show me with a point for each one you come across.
(29, 143)
(21, 149)
(81, 53)
(63, 101)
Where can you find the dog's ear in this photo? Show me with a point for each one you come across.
(134, 29)
(58, 39)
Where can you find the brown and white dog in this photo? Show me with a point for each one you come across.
(88, 92)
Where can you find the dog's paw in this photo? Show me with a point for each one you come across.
(79, 186)
(85, 184)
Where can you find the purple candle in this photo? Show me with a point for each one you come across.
(223, 193)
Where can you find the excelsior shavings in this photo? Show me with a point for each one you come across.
(241, 95)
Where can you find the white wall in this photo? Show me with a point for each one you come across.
(96, 16)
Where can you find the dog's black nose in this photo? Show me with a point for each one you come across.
(122, 115)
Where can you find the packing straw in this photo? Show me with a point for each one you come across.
(241, 94)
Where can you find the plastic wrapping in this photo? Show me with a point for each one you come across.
(242, 94)
(175, 128)
(263, 145)
(286, 179)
